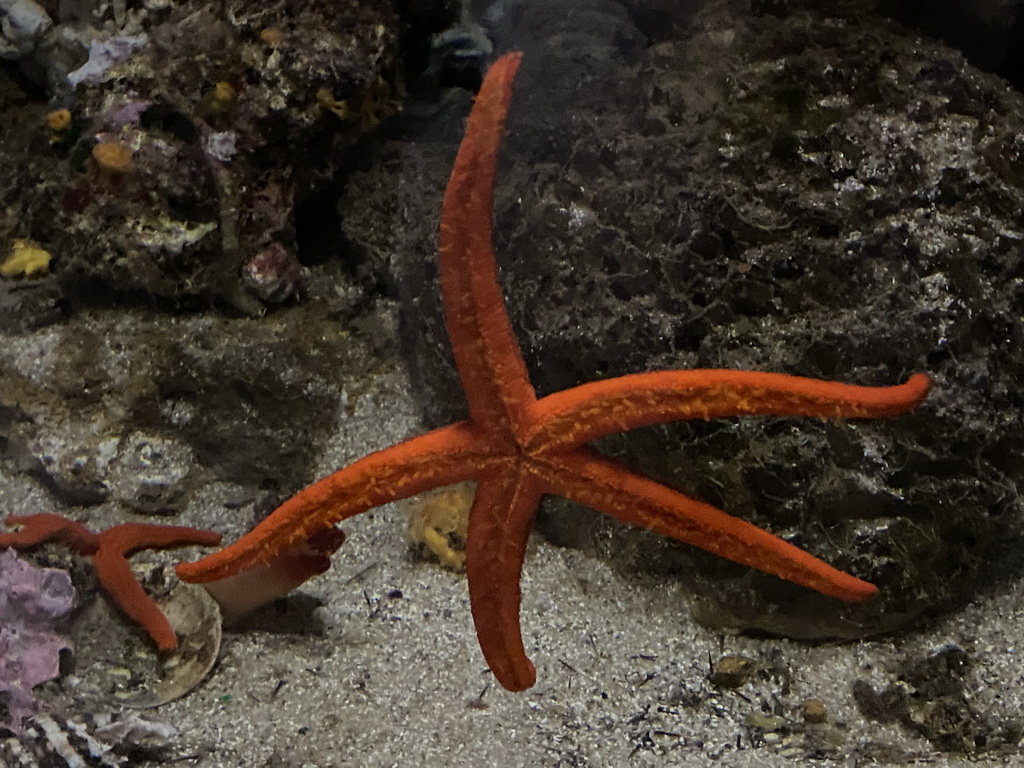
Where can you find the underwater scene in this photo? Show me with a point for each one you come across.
(548, 383)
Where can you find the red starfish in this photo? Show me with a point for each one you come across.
(109, 551)
(518, 448)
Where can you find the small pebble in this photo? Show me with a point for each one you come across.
(731, 671)
(814, 711)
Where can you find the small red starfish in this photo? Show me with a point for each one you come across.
(110, 551)
(518, 448)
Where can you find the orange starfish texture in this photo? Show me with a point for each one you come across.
(518, 448)
(110, 551)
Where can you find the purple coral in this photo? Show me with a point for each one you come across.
(31, 602)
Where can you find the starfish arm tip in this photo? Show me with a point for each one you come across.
(518, 678)
(193, 572)
(920, 384)
(164, 643)
(845, 587)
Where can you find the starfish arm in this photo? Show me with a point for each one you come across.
(441, 457)
(572, 417)
(109, 550)
(115, 574)
(43, 527)
(588, 478)
(245, 592)
(499, 525)
(126, 539)
(487, 355)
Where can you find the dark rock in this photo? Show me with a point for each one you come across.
(818, 193)
(990, 34)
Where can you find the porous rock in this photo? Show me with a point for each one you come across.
(198, 134)
(797, 189)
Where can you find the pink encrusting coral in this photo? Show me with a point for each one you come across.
(32, 604)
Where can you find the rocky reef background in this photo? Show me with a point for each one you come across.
(734, 197)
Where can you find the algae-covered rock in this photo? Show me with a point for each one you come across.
(796, 189)
(194, 136)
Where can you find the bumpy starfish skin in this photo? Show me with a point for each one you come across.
(110, 551)
(518, 448)
(36, 529)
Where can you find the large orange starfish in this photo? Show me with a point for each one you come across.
(518, 448)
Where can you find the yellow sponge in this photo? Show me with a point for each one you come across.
(26, 258)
